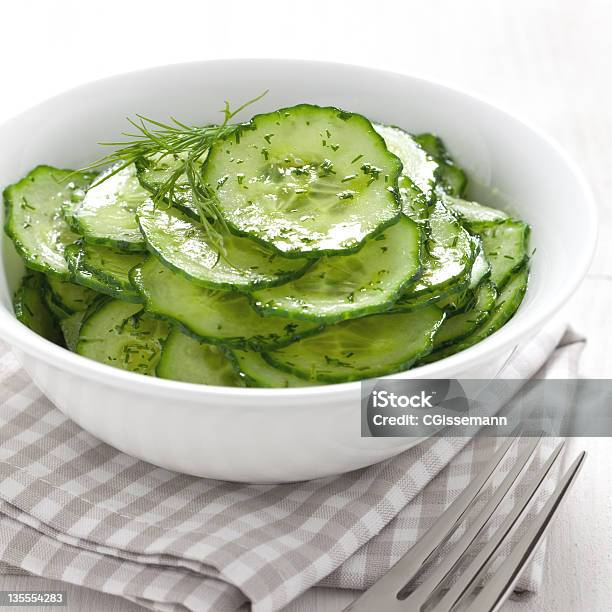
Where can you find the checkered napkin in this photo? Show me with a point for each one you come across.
(77, 510)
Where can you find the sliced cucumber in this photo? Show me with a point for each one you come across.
(213, 316)
(442, 295)
(456, 303)
(107, 213)
(155, 172)
(257, 372)
(472, 213)
(451, 251)
(104, 269)
(465, 299)
(49, 299)
(71, 328)
(505, 241)
(417, 164)
(122, 335)
(447, 261)
(307, 180)
(182, 244)
(506, 305)
(189, 360)
(481, 268)
(32, 310)
(449, 177)
(69, 297)
(414, 201)
(338, 288)
(461, 325)
(362, 348)
(506, 246)
(34, 218)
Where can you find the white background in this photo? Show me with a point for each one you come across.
(547, 60)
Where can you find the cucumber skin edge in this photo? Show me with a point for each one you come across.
(406, 365)
(517, 298)
(229, 286)
(365, 311)
(326, 379)
(244, 344)
(329, 320)
(120, 245)
(240, 343)
(103, 286)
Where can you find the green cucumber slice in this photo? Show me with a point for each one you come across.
(122, 335)
(49, 299)
(506, 247)
(362, 348)
(461, 325)
(186, 359)
(360, 283)
(104, 269)
(182, 244)
(417, 164)
(34, 218)
(447, 261)
(153, 173)
(257, 372)
(473, 214)
(506, 305)
(307, 180)
(481, 268)
(414, 201)
(107, 213)
(451, 251)
(465, 299)
(71, 328)
(212, 315)
(69, 297)
(449, 177)
(32, 310)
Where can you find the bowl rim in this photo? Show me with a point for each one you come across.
(20, 337)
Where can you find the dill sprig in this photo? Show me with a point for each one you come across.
(153, 140)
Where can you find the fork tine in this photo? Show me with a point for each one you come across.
(409, 565)
(468, 579)
(432, 583)
(494, 594)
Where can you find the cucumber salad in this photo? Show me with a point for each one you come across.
(306, 246)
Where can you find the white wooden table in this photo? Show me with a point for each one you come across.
(547, 60)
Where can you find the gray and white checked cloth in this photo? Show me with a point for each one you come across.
(77, 510)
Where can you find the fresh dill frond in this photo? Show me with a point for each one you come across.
(153, 140)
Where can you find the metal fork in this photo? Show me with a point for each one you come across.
(391, 593)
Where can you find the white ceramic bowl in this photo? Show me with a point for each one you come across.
(261, 435)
